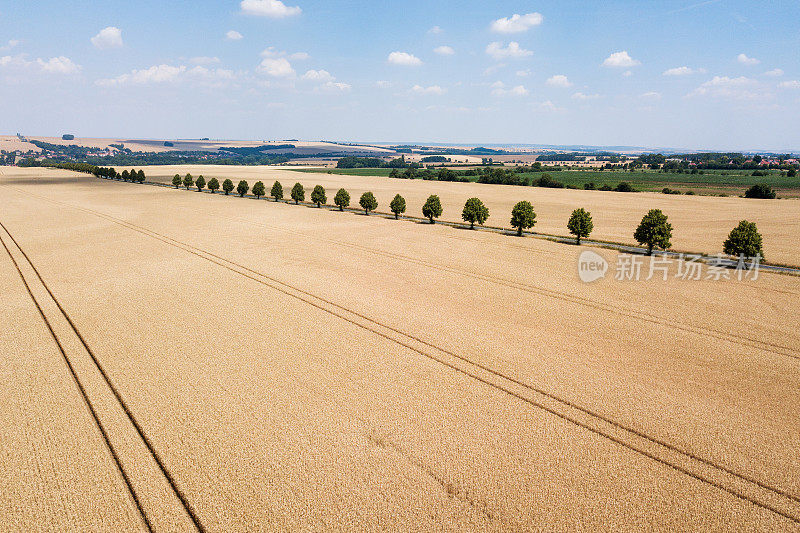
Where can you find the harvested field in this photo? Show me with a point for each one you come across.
(286, 367)
(700, 223)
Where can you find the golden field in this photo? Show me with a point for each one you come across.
(701, 223)
(300, 368)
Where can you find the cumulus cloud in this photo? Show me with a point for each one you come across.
(404, 58)
(9, 45)
(524, 73)
(581, 96)
(435, 30)
(620, 60)
(651, 95)
(383, 84)
(791, 84)
(110, 37)
(547, 105)
(775, 73)
(678, 71)
(58, 65)
(749, 61)
(517, 23)
(334, 86)
(741, 88)
(299, 56)
(155, 74)
(277, 67)
(499, 89)
(444, 50)
(432, 90)
(559, 80)
(513, 51)
(234, 35)
(269, 8)
(318, 75)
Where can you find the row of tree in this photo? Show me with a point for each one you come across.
(654, 231)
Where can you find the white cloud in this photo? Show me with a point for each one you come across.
(651, 95)
(435, 30)
(517, 23)
(269, 8)
(234, 35)
(383, 84)
(559, 80)
(524, 73)
(334, 86)
(791, 84)
(444, 50)
(276, 67)
(620, 60)
(299, 56)
(500, 90)
(581, 96)
(404, 58)
(678, 71)
(547, 106)
(11, 44)
(432, 90)
(776, 73)
(110, 37)
(58, 65)
(627, 73)
(740, 88)
(154, 74)
(211, 74)
(318, 75)
(512, 51)
(204, 60)
(744, 60)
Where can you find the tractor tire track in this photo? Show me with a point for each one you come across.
(724, 478)
(187, 507)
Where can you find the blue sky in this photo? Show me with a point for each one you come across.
(705, 75)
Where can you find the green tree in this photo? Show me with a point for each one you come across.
(654, 231)
(176, 180)
(474, 211)
(368, 202)
(760, 191)
(432, 208)
(318, 195)
(133, 175)
(277, 191)
(259, 190)
(522, 216)
(342, 199)
(188, 181)
(397, 205)
(124, 175)
(213, 185)
(298, 193)
(580, 224)
(200, 183)
(242, 188)
(744, 240)
(227, 186)
(140, 177)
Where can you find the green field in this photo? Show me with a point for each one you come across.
(711, 182)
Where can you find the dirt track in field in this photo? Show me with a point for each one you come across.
(296, 367)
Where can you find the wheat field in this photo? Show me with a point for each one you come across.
(295, 368)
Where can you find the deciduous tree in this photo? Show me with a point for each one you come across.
(580, 224)
(432, 208)
(654, 231)
(242, 188)
(318, 195)
(368, 202)
(474, 211)
(259, 190)
(298, 193)
(522, 216)
(200, 183)
(213, 185)
(227, 186)
(342, 199)
(277, 191)
(744, 240)
(397, 205)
